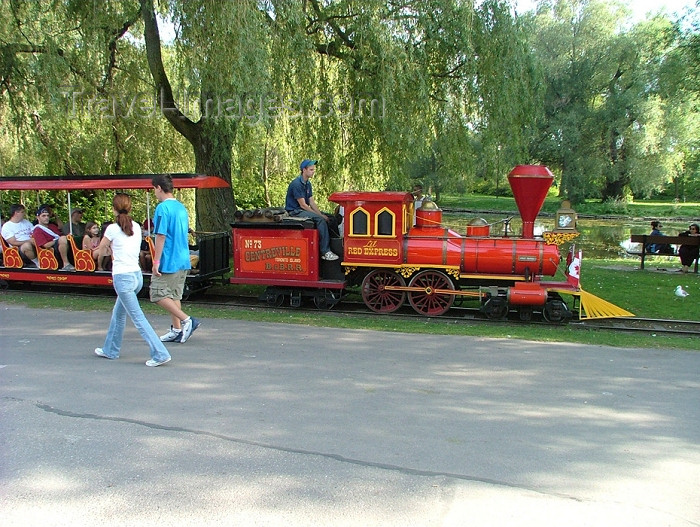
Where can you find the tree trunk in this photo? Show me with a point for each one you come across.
(613, 190)
(214, 207)
(212, 146)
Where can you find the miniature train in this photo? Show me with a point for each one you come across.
(395, 261)
(392, 254)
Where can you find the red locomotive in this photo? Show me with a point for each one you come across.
(393, 260)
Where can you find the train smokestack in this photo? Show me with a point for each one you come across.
(530, 184)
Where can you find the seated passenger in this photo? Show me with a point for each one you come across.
(300, 202)
(53, 219)
(47, 236)
(658, 248)
(76, 216)
(145, 259)
(104, 262)
(91, 242)
(689, 253)
(17, 232)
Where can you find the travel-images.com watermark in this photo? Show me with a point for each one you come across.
(252, 110)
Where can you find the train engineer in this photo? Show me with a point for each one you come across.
(300, 202)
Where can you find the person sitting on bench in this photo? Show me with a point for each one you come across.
(46, 235)
(17, 232)
(658, 248)
(689, 253)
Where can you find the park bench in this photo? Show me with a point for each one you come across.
(646, 239)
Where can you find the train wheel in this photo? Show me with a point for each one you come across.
(326, 298)
(377, 297)
(427, 301)
(495, 308)
(273, 297)
(525, 313)
(555, 311)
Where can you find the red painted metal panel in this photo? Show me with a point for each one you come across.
(527, 294)
(482, 255)
(373, 250)
(384, 198)
(55, 277)
(281, 254)
(430, 246)
(107, 182)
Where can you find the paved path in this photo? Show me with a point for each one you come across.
(257, 424)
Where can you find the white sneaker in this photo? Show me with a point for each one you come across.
(100, 353)
(188, 327)
(330, 255)
(153, 363)
(171, 336)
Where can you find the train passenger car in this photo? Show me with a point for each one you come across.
(212, 249)
(426, 265)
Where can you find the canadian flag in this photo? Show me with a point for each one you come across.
(574, 269)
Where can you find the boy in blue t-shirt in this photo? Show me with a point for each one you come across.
(171, 259)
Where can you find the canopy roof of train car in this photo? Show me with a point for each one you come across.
(106, 182)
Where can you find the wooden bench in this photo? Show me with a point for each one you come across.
(646, 239)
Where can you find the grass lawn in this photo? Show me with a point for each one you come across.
(641, 209)
(647, 294)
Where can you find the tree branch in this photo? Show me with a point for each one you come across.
(113, 46)
(180, 121)
(335, 27)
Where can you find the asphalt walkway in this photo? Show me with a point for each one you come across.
(257, 424)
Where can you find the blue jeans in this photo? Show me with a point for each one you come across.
(324, 238)
(127, 286)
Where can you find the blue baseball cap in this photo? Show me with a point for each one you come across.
(307, 163)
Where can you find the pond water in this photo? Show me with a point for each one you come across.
(598, 238)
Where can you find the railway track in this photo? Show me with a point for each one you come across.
(354, 308)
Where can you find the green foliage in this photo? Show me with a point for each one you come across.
(613, 126)
(449, 92)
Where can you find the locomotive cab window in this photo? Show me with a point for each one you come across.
(386, 223)
(359, 222)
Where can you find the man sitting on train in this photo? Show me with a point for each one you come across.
(46, 235)
(300, 203)
(76, 223)
(17, 231)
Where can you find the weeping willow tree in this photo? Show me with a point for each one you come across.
(245, 89)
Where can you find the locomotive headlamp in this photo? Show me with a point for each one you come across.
(565, 218)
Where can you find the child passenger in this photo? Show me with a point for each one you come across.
(145, 254)
(91, 241)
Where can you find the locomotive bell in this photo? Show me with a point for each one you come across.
(429, 215)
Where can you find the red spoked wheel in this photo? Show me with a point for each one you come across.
(377, 297)
(427, 301)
